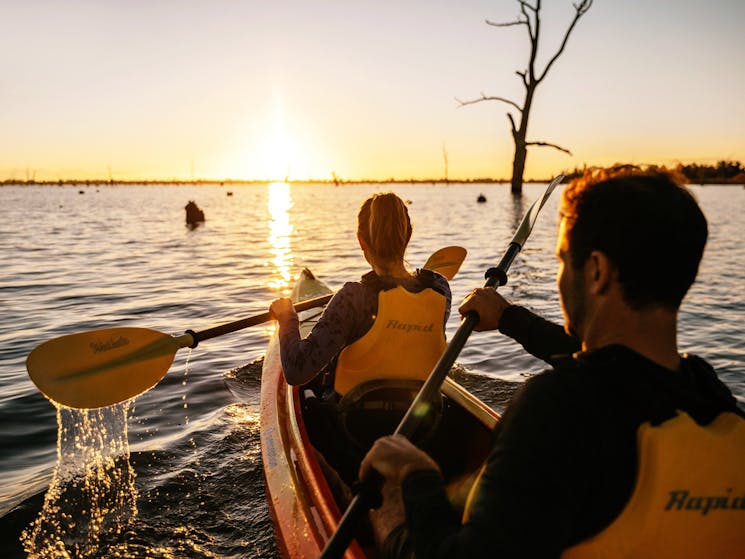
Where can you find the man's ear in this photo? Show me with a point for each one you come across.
(599, 272)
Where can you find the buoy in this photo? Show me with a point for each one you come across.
(194, 215)
(481, 199)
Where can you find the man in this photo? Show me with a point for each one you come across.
(565, 475)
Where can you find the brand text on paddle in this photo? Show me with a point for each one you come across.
(109, 344)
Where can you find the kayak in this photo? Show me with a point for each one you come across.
(300, 491)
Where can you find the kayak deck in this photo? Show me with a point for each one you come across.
(304, 511)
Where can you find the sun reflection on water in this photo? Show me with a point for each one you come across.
(240, 414)
(280, 230)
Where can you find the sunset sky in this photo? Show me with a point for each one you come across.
(250, 89)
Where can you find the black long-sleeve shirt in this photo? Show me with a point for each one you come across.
(563, 459)
(541, 338)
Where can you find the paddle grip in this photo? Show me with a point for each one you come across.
(369, 489)
(497, 275)
(193, 335)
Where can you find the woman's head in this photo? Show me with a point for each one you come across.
(383, 225)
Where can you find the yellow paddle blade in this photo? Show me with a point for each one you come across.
(102, 367)
(446, 261)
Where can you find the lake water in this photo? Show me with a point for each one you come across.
(84, 258)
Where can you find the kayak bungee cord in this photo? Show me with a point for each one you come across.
(368, 495)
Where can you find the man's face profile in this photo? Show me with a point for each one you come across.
(570, 283)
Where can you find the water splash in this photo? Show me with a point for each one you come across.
(193, 444)
(183, 383)
(92, 499)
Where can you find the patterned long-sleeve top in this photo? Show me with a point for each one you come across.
(348, 317)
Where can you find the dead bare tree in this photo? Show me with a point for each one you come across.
(531, 19)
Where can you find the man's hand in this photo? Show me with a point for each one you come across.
(282, 309)
(394, 457)
(488, 304)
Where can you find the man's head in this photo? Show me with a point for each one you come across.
(645, 223)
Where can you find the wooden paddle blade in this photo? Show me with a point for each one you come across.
(446, 261)
(101, 367)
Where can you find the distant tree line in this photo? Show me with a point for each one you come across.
(724, 172)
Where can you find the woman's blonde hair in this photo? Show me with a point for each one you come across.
(384, 224)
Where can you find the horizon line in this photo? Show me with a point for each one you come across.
(714, 178)
(331, 180)
(211, 181)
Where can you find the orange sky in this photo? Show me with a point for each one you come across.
(262, 90)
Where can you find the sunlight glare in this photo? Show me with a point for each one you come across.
(278, 148)
(278, 151)
(280, 230)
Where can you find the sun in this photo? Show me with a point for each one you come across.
(269, 150)
(278, 152)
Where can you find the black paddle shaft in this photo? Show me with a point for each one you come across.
(252, 321)
(369, 494)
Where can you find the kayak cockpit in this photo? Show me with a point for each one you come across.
(455, 432)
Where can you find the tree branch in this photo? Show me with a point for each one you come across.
(524, 5)
(547, 144)
(580, 10)
(512, 124)
(490, 98)
(524, 9)
(523, 77)
(507, 24)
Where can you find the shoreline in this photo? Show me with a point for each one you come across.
(240, 182)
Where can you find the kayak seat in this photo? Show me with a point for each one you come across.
(374, 409)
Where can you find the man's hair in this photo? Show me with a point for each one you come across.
(646, 222)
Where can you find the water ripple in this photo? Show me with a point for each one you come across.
(122, 256)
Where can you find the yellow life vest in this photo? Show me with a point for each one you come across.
(405, 341)
(689, 498)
